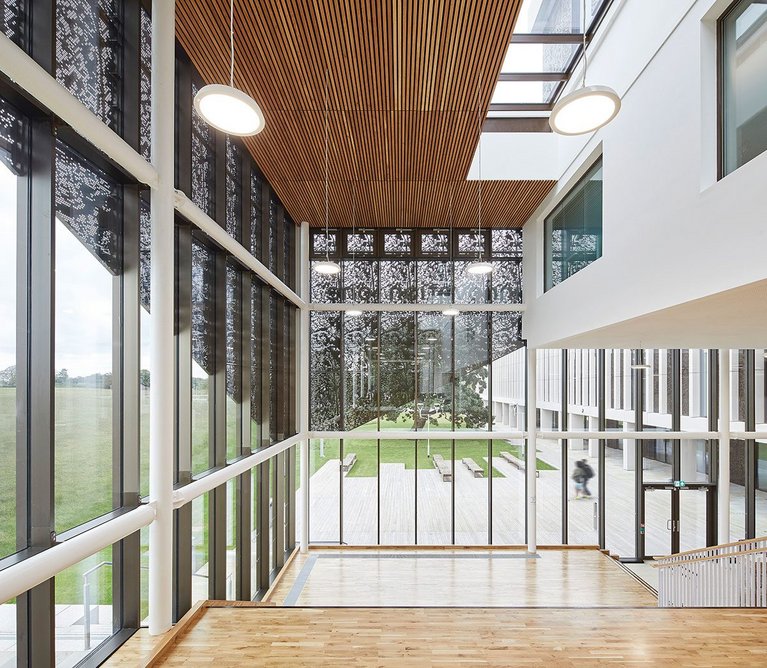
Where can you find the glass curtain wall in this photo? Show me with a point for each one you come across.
(75, 344)
(635, 497)
(417, 370)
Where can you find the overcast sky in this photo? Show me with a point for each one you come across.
(83, 296)
(7, 267)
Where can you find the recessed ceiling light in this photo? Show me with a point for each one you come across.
(641, 367)
(450, 312)
(354, 312)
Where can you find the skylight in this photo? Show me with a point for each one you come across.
(544, 50)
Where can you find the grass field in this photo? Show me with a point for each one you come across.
(83, 466)
(410, 453)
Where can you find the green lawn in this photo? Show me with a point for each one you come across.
(410, 453)
(83, 461)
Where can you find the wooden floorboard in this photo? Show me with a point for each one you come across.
(498, 637)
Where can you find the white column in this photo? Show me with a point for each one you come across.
(688, 451)
(593, 442)
(162, 282)
(303, 382)
(531, 460)
(629, 448)
(723, 484)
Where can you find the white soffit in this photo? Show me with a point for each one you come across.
(512, 156)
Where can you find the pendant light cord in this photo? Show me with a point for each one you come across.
(327, 225)
(480, 246)
(231, 43)
(585, 57)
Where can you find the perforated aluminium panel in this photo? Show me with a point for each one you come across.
(233, 188)
(89, 53)
(90, 205)
(203, 163)
(203, 307)
(12, 127)
(12, 18)
(145, 92)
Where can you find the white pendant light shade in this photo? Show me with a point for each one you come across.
(452, 312)
(584, 110)
(229, 110)
(479, 268)
(327, 267)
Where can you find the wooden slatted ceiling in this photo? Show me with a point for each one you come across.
(405, 80)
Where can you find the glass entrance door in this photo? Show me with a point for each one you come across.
(658, 520)
(676, 519)
(695, 522)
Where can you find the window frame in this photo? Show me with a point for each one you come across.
(594, 166)
(723, 141)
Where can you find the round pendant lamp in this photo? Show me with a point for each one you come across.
(327, 266)
(479, 267)
(586, 109)
(225, 107)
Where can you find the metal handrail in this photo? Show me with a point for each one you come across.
(728, 575)
(87, 603)
(712, 551)
(712, 557)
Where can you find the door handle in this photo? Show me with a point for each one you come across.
(596, 515)
(669, 525)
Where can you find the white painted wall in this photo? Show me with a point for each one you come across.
(672, 233)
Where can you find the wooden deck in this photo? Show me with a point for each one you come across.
(438, 636)
(398, 506)
(461, 577)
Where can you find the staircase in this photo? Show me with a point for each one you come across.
(730, 575)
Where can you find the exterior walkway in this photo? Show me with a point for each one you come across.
(400, 486)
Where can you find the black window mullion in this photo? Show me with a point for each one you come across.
(182, 548)
(217, 406)
(35, 609)
(127, 397)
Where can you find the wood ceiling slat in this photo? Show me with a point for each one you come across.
(408, 80)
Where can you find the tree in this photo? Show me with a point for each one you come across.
(143, 376)
(62, 377)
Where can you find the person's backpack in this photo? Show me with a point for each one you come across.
(588, 471)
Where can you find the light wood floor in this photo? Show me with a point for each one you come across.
(499, 637)
(470, 578)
